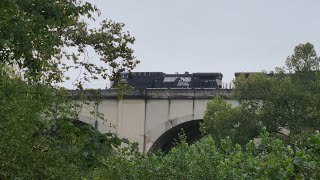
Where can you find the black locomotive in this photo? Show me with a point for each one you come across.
(142, 80)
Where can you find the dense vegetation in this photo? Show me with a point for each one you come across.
(281, 102)
(40, 40)
(40, 138)
(272, 159)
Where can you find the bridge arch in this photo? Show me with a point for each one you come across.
(167, 140)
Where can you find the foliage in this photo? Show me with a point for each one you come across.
(239, 123)
(46, 38)
(38, 140)
(304, 58)
(285, 103)
(271, 159)
(42, 40)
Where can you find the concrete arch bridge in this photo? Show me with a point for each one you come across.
(152, 117)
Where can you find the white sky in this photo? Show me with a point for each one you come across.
(214, 36)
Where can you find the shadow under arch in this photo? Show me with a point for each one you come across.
(167, 140)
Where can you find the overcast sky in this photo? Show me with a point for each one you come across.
(215, 36)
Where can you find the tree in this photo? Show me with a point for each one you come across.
(304, 58)
(240, 123)
(43, 39)
(286, 103)
(37, 37)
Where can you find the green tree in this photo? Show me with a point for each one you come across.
(283, 103)
(45, 38)
(304, 58)
(239, 123)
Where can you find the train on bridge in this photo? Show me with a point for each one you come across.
(143, 80)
